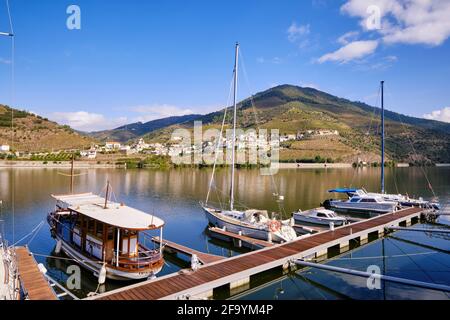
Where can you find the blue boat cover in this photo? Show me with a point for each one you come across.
(343, 190)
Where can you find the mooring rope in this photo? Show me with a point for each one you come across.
(38, 226)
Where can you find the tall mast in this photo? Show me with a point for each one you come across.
(107, 195)
(234, 126)
(71, 174)
(382, 136)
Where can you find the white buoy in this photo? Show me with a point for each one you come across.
(281, 197)
(58, 246)
(102, 274)
(331, 225)
(269, 237)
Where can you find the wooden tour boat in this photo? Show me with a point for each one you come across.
(104, 236)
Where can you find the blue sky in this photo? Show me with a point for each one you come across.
(140, 60)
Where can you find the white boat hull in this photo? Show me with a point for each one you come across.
(248, 231)
(95, 266)
(366, 207)
(316, 220)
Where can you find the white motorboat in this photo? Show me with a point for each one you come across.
(362, 203)
(403, 200)
(252, 223)
(320, 216)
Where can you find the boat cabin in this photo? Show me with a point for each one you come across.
(366, 199)
(93, 228)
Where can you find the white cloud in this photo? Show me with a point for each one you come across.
(348, 37)
(86, 121)
(351, 51)
(157, 111)
(295, 32)
(406, 21)
(440, 115)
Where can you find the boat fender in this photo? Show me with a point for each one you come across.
(58, 246)
(274, 225)
(102, 274)
(195, 264)
(42, 268)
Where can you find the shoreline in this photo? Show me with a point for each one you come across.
(59, 164)
(104, 165)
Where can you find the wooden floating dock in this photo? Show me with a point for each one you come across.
(204, 258)
(235, 272)
(32, 280)
(239, 240)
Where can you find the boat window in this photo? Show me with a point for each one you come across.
(368, 200)
(110, 232)
(99, 229)
(322, 215)
(354, 200)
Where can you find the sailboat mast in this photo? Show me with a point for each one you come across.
(71, 174)
(382, 136)
(234, 127)
(107, 195)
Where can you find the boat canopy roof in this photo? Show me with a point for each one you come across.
(343, 190)
(116, 214)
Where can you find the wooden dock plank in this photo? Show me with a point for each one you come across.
(32, 278)
(220, 272)
(204, 258)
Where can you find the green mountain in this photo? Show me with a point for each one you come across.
(291, 109)
(33, 133)
(135, 130)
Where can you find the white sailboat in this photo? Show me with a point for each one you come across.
(9, 273)
(252, 223)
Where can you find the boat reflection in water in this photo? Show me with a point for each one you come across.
(106, 237)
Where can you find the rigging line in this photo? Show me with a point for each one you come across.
(12, 88)
(63, 258)
(300, 274)
(415, 153)
(412, 260)
(377, 104)
(252, 102)
(374, 113)
(219, 140)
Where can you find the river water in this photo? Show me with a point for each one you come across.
(174, 195)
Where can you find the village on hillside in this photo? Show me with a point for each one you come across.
(174, 147)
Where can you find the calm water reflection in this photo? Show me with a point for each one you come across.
(174, 196)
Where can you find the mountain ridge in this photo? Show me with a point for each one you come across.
(292, 108)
